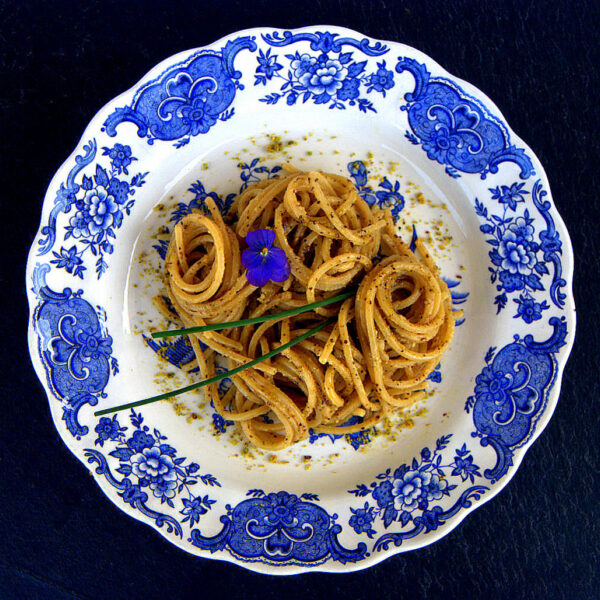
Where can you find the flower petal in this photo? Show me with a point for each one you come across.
(252, 259)
(260, 239)
(258, 276)
(277, 264)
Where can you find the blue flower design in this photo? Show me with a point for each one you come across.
(331, 77)
(493, 387)
(303, 64)
(120, 157)
(511, 281)
(441, 141)
(383, 494)
(120, 190)
(195, 116)
(140, 440)
(101, 201)
(517, 265)
(267, 66)
(108, 429)
(436, 487)
(522, 229)
(281, 509)
(263, 260)
(381, 80)
(325, 78)
(362, 520)
(158, 469)
(99, 209)
(155, 464)
(164, 488)
(408, 489)
(79, 223)
(528, 309)
(515, 253)
(67, 259)
(509, 195)
(404, 493)
(194, 508)
(465, 467)
(349, 89)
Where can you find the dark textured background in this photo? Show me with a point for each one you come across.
(60, 62)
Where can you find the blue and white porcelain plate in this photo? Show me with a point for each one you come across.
(208, 122)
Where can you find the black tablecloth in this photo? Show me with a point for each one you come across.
(62, 61)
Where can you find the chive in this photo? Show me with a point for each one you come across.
(282, 315)
(220, 376)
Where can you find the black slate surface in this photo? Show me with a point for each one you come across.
(60, 62)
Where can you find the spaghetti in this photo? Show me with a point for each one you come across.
(375, 357)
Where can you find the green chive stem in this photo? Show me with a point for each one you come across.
(282, 315)
(220, 376)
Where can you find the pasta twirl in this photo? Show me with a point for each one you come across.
(374, 360)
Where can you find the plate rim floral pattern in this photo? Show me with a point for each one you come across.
(72, 349)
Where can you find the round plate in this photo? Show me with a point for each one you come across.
(209, 122)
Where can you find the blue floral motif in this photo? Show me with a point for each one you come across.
(68, 260)
(255, 171)
(188, 98)
(381, 80)
(517, 264)
(332, 77)
(510, 393)
(406, 494)
(65, 197)
(100, 203)
(194, 508)
(362, 520)
(147, 462)
(279, 528)
(509, 195)
(528, 309)
(120, 157)
(267, 66)
(158, 469)
(388, 194)
(75, 350)
(140, 441)
(108, 429)
(454, 129)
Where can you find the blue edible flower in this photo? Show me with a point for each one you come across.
(263, 260)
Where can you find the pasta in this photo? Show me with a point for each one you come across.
(372, 361)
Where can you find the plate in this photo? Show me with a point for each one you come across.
(207, 123)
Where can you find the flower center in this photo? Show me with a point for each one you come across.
(264, 252)
(91, 342)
